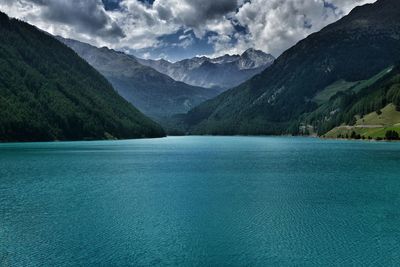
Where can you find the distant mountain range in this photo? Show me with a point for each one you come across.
(47, 92)
(153, 93)
(220, 73)
(307, 76)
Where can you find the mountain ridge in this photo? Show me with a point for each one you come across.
(154, 93)
(223, 72)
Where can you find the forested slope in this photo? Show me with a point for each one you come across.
(47, 92)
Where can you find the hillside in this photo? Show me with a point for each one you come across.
(153, 93)
(369, 112)
(353, 49)
(47, 92)
(220, 73)
(372, 126)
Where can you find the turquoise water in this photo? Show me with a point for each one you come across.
(200, 201)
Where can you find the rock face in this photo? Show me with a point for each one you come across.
(153, 93)
(221, 73)
(47, 93)
(353, 49)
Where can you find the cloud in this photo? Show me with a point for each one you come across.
(228, 26)
(74, 18)
(145, 23)
(85, 16)
(194, 14)
(276, 25)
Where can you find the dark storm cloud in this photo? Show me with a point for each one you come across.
(194, 13)
(206, 10)
(87, 16)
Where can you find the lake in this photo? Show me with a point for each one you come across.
(200, 201)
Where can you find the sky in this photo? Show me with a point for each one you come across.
(178, 29)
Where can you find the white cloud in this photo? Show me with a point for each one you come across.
(275, 25)
(272, 26)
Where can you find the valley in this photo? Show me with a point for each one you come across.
(323, 85)
(199, 133)
(155, 94)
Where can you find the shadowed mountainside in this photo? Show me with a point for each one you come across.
(153, 93)
(47, 92)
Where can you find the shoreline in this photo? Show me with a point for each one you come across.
(172, 136)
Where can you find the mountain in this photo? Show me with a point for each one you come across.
(222, 73)
(153, 93)
(47, 92)
(353, 49)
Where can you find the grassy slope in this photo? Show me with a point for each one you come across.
(333, 89)
(363, 84)
(372, 125)
(342, 86)
(389, 116)
(346, 107)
